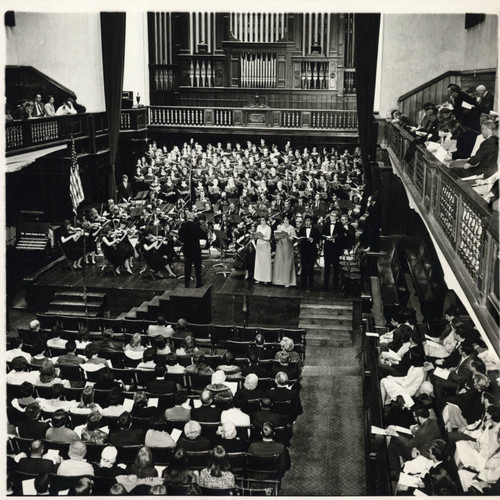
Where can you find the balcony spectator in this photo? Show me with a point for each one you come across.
(50, 109)
(23, 111)
(463, 106)
(66, 108)
(484, 100)
(38, 107)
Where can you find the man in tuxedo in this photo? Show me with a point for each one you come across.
(309, 240)
(35, 464)
(190, 234)
(332, 236)
(124, 190)
(31, 427)
(485, 159)
(126, 436)
(207, 412)
(266, 414)
(484, 100)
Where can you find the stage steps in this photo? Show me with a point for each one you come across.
(72, 303)
(327, 324)
(150, 309)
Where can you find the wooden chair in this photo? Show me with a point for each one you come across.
(198, 460)
(217, 492)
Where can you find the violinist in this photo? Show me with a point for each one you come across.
(155, 250)
(113, 250)
(72, 244)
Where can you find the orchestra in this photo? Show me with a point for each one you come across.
(228, 190)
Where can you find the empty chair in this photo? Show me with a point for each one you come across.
(73, 393)
(71, 373)
(245, 334)
(133, 326)
(220, 335)
(113, 324)
(200, 331)
(264, 467)
(127, 454)
(125, 375)
(254, 487)
(198, 460)
(198, 382)
(46, 320)
(271, 335)
(142, 377)
(72, 323)
(239, 348)
(115, 357)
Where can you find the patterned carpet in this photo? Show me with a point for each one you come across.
(328, 445)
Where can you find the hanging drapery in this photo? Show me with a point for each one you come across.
(366, 27)
(113, 62)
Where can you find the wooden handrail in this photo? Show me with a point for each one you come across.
(442, 77)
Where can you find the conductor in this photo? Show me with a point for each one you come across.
(190, 233)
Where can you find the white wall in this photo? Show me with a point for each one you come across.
(136, 71)
(66, 47)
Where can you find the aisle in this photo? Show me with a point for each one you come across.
(328, 445)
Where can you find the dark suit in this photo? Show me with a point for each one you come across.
(332, 251)
(402, 445)
(38, 109)
(190, 234)
(127, 437)
(485, 159)
(36, 466)
(308, 255)
(123, 192)
(485, 105)
(284, 394)
(270, 448)
(260, 417)
(465, 116)
(206, 414)
(457, 376)
(161, 387)
(201, 443)
(32, 429)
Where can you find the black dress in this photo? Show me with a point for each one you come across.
(72, 249)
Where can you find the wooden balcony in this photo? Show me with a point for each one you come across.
(464, 229)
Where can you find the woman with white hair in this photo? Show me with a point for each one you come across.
(219, 390)
(287, 345)
(249, 391)
(229, 440)
(107, 465)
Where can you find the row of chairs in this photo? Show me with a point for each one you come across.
(245, 486)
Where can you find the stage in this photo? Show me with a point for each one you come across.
(267, 305)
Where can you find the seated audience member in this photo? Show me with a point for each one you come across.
(76, 465)
(459, 374)
(485, 356)
(220, 391)
(400, 334)
(484, 100)
(38, 351)
(160, 385)
(406, 447)
(31, 427)
(444, 345)
(60, 431)
(250, 390)
(188, 347)
(105, 380)
(284, 365)
(83, 487)
(207, 412)
(126, 435)
(192, 440)
(35, 463)
(228, 365)
(70, 358)
(50, 109)
(143, 464)
(157, 436)
(134, 349)
(287, 346)
(282, 393)
(161, 344)
(108, 343)
(116, 399)
(141, 408)
(92, 433)
(18, 373)
(218, 473)
(181, 329)
(173, 365)
(177, 473)
(107, 465)
(181, 410)
(91, 353)
(199, 366)
(391, 387)
(399, 365)
(235, 415)
(118, 489)
(255, 367)
(47, 376)
(66, 108)
(16, 349)
(464, 407)
(148, 360)
(158, 489)
(57, 400)
(86, 404)
(485, 161)
(267, 447)
(42, 484)
(463, 112)
(266, 414)
(160, 328)
(229, 439)
(26, 394)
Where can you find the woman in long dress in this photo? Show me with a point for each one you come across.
(263, 269)
(284, 261)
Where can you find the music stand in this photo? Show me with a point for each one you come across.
(222, 237)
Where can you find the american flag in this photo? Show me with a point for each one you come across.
(75, 183)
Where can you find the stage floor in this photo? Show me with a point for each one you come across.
(266, 304)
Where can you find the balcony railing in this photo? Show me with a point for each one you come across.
(252, 117)
(463, 224)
